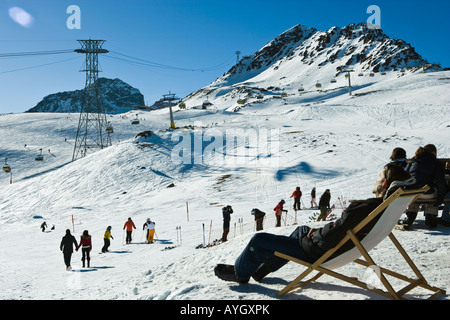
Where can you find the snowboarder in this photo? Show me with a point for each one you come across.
(324, 205)
(86, 247)
(129, 225)
(279, 211)
(150, 231)
(43, 226)
(66, 246)
(297, 194)
(226, 213)
(313, 198)
(259, 218)
(106, 240)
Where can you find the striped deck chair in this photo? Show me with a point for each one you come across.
(391, 210)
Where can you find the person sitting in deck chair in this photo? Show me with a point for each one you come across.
(258, 258)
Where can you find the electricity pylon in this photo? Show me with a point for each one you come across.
(91, 133)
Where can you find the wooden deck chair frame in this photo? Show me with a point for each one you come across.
(403, 198)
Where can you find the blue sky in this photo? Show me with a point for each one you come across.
(199, 35)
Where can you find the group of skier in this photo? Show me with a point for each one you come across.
(324, 206)
(68, 242)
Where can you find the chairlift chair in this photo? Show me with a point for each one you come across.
(39, 157)
(241, 101)
(283, 94)
(109, 128)
(206, 104)
(318, 85)
(6, 167)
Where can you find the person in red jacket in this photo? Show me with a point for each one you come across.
(278, 211)
(129, 225)
(297, 194)
(86, 247)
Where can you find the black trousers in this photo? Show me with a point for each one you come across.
(85, 255)
(106, 244)
(67, 258)
(128, 239)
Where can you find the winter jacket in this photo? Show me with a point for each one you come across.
(279, 208)
(67, 243)
(258, 214)
(226, 212)
(427, 170)
(107, 234)
(150, 225)
(331, 234)
(325, 200)
(296, 194)
(85, 242)
(129, 225)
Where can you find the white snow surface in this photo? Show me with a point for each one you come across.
(326, 139)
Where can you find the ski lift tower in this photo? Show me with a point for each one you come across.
(349, 81)
(169, 98)
(237, 53)
(91, 126)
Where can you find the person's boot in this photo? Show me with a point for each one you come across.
(227, 273)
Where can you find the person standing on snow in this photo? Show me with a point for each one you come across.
(144, 227)
(279, 211)
(66, 246)
(129, 225)
(226, 213)
(324, 205)
(150, 231)
(297, 194)
(43, 226)
(106, 240)
(86, 247)
(259, 218)
(313, 198)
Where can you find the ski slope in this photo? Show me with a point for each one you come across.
(324, 139)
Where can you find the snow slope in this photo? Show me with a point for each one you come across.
(324, 139)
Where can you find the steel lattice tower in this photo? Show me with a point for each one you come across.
(91, 134)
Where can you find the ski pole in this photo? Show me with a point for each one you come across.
(204, 244)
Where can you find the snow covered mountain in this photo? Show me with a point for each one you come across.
(118, 97)
(301, 58)
(325, 140)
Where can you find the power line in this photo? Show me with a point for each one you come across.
(34, 53)
(41, 65)
(148, 63)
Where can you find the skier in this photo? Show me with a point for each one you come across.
(151, 231)
(43, 226)
(106, 240)
(129, 225)
(66, 246)
(259, 218)
(86, 247)
(144, 227)
(226, 212)
(313, 198)
(297, 194)
(324, 205)
(279, 211)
